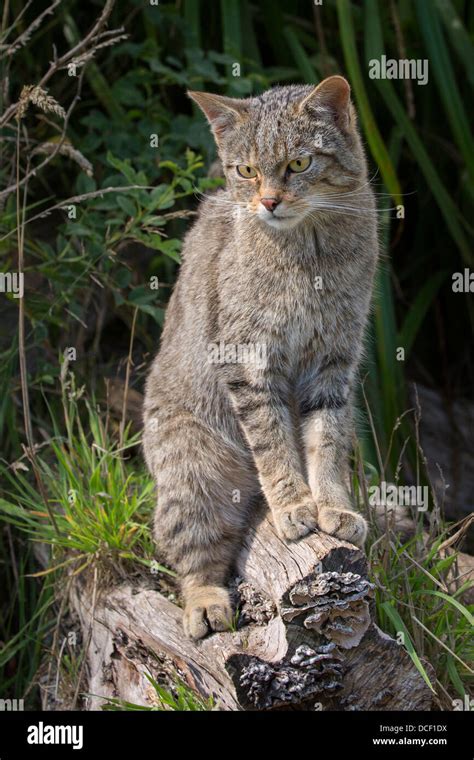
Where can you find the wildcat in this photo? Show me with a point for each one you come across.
(251, 389)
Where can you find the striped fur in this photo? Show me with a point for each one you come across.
(217, 434)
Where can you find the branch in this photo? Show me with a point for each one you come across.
(59, 63)
(23, 38)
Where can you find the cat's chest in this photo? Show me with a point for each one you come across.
(296, 313)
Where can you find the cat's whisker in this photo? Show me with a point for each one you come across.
(214, 198)
(358, 211)
(315, 217)
(356, 189)
(355, 193)
(319, 202)
(370, 180)
(222, 201)
(351, 192)
(323, 201)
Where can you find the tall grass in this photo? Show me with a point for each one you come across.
(102, 502)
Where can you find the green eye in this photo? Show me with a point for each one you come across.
(247, 172)
(299, 164)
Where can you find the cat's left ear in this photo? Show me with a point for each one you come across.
(333, 93)
(222, 113)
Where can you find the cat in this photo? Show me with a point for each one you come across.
(251, 390)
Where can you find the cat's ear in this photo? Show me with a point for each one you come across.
(222, 113)
(333, 93)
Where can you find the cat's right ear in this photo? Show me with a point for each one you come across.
(333, 93)
(222, 113)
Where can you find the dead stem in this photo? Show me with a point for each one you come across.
(127, 379)
(31, 452)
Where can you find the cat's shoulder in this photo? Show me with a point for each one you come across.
(217, 204)
(214, 214)
(212, 226)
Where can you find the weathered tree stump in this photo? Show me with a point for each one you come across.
(306, 638)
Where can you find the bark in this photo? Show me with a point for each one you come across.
(305, 640)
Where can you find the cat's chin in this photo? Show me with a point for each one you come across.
(281, 222)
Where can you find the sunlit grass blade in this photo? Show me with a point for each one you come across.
(374, 48)
(305, 67)
(249, 37)
(417, 311)
(400, 627)
(450, 600)
(390, 375)
(231, 38)
(439, 61)
(369, 125)
(460, 40)
(454, 675)
(231, 29)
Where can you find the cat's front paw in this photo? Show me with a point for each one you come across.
(207, 609)
(296, 521)
(344, 524)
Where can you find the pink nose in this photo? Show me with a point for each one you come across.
(270, 203)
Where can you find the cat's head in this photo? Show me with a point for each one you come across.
(287, 152)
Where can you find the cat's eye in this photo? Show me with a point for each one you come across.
(247, 172)
(299, 164)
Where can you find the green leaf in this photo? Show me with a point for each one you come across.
(156, 312)
(400, 626)
(450, 600)
(123, 167)
(141, 295)
(123, 277)
(126, 205)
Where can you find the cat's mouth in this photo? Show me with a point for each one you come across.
(280, 219)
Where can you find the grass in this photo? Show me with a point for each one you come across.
(102, 502)
(419, 588)
(101, 509)
(414, 596)
(177, 698)
(97, 515)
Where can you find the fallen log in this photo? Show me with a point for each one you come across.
(305, 640)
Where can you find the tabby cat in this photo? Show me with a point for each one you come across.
(251, 389)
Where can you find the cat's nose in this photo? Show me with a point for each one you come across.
(270, 203)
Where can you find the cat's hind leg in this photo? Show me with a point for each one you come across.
(203, 488)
